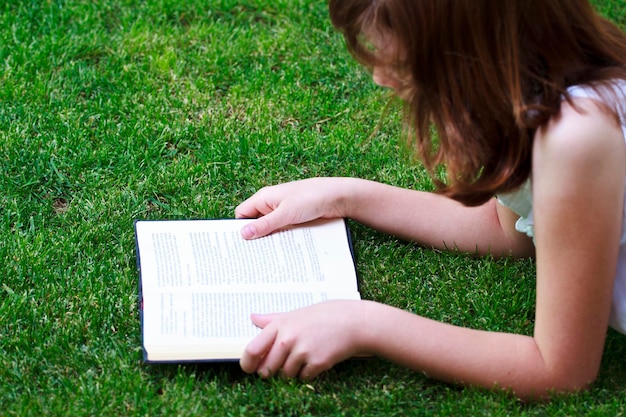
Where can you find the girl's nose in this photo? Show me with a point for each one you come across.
(381, 77)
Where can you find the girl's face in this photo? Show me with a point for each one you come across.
(389, 72)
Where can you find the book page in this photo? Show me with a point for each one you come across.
(201, 281)
(212, 255)
(215, 325)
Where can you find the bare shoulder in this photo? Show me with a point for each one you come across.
(580, 153)
(583, 136)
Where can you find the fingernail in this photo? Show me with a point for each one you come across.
(248, 231)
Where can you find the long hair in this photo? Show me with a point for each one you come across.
(486, 74)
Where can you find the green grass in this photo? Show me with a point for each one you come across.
(125, 109)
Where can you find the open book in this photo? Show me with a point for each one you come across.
(200, 281)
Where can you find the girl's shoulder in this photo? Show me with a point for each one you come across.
(592, 120)
(610, 94)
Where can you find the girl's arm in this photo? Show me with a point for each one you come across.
(578, 185)
(578, 190)
(426, 218)
(438, 222)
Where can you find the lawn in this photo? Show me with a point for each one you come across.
(119, 110)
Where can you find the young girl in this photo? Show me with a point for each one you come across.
(528, 98)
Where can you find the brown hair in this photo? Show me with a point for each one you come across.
(486, 74)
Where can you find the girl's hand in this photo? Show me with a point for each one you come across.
(304, 342)
(291, 203)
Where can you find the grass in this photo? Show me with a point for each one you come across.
(125, 109)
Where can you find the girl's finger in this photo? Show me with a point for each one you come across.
(256, 350)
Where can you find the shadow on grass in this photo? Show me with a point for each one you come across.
(613, 369)
(365, 370)
(378, 387)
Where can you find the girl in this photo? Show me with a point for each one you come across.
(528, 99)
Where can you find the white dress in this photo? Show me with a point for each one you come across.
(520, 202)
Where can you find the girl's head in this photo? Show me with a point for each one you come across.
(486, 73)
